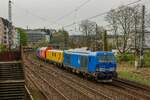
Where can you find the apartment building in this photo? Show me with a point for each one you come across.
(8, 39)
(35, 36)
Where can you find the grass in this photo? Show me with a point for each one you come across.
(35, 58)
(127, 70)
(134, 77)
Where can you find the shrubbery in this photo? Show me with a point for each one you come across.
(128, 57)
(2, 48)
(125, 57)
(23, 36)
(147, 59)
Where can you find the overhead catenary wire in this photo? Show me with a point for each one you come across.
(71, 12)
(101, 14)
(30, 13)
(59, 19)
(76, 9)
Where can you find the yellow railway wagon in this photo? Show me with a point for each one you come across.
(55, 56)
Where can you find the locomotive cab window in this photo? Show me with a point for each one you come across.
(106, 58)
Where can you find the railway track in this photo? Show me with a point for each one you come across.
(134, 84)
(97, 88)
(44, 86)
(30, 83)
(86, 84)
(76, 91)
(109, 91)
(141, 91)
(59, 86)
(95, 95)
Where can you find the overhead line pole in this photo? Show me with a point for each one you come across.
(9, 25)
(142, 38)
(9, 12)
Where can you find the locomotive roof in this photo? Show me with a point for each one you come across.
(100, 53)
(89, 52)
(78, 51)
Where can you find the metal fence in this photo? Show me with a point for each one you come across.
(10, 55)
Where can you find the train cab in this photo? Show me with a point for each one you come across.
(102, 65)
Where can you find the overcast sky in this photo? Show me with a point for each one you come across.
(45, 13)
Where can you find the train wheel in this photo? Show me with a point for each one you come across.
(86, 76)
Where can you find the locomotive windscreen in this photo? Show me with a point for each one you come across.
(106, 58)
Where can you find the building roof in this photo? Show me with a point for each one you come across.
(36, 32)
(5, 22)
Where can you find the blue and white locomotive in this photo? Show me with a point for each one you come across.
(99, 65)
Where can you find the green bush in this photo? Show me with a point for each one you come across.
(2, 48)
(147, 59)
(23, 36)
(125, 57)
(130, 58)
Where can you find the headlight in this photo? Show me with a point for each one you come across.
(106, 69)
(111, 69)
(101, 69)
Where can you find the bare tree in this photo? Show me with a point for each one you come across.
(147, 20)
(112, 19)
(88, 29)
(123, 21)
(99, 38)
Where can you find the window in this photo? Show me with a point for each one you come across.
(68, 57)
(106, 58)
(89, 59)
(5, 37)
(5, 41)
(83, 61)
